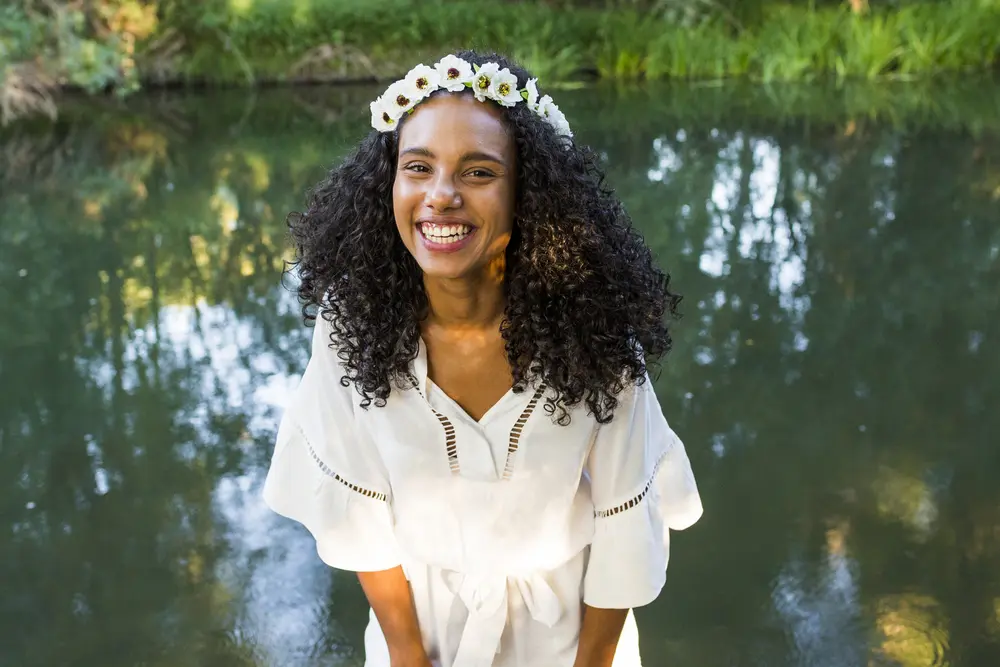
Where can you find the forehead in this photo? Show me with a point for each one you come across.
(456, 123)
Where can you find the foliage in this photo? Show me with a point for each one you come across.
(89, 44)
(101, 44)
(704, 51)
(795, 46)
(802, 43)
(275, 39)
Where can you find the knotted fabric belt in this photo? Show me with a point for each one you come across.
(486, 596)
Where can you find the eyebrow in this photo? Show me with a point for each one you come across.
(471, 156)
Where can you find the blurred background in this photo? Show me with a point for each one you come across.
(821, 179)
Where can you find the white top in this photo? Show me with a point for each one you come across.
(503, 526)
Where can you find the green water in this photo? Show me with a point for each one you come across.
(835, 377)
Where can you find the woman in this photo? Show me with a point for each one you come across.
(475, 434)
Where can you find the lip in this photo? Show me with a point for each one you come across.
(434, 246)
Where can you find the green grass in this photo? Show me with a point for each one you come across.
(382, 38)
(248, 42)
(792, 45)
(706, 51)
(871, 46)
(252, 40)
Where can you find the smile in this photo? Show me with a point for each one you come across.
(445, 238)
(445, 233)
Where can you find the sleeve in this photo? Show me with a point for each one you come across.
(642, 486)
(326, 472)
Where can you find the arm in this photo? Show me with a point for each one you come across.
(388, 593)
(599, 635)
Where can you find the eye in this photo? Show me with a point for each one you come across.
(481, 173)
(417, 168)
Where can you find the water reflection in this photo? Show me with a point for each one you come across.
(833, 377)
(817, 602)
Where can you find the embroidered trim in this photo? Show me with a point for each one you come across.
(635, 500)
(368, 493)
(450, 443)
(515, 432)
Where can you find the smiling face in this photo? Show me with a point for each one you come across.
(453, 197)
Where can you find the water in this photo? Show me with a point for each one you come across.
(835, 378)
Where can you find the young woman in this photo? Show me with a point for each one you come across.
(475, 434)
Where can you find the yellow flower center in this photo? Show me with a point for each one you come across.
(452, 73)
(386, 118)
(422, 83)
(504, 89)
(483, 82)
(402, 100)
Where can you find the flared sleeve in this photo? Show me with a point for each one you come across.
(327, 474)
(642, 487)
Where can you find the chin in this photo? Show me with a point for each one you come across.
(444, 269)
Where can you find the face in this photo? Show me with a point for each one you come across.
(453, 196)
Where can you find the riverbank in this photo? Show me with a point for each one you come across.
(334, 40)
(254, 43)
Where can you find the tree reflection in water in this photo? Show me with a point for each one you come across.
(833, 378)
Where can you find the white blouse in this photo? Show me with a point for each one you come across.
(504, 526)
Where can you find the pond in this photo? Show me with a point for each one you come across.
(832, 377)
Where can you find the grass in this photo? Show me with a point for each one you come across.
(794, 46)
(373, 39)
(250, 42)
(706, 51)
(265, 39)
(872, 46)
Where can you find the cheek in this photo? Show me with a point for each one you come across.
(397, 194)
(401, 202)
(509, 204)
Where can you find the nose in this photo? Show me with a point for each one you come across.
(442, 193)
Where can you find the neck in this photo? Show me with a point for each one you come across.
(463, 303)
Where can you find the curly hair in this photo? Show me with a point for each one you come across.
(585, 305)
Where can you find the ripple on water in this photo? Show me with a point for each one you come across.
(817, 607)
(911, 631)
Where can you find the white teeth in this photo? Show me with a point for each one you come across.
(445, 233)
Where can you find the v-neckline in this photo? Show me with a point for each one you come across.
(420, 371)
(462, 411)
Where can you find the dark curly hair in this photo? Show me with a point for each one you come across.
(586, 306)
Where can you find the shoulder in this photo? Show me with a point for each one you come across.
(325, 370)
(327, 344)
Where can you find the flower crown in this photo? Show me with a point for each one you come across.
(488, 82)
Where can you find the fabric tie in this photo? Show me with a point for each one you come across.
(485, 596)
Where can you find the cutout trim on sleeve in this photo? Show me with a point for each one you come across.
(636, 499)
(327, 470)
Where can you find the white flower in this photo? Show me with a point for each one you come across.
(548, 110)
(544, 104)
(532, 94)
(400, 97)
(425, 80)
(559, 122)
(503, 88)
(384, 119)
(453, 73)
(483, 79)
